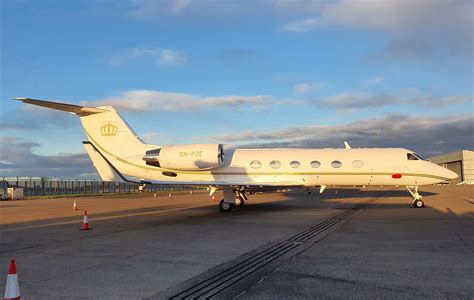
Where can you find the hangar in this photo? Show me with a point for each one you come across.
(461, 162)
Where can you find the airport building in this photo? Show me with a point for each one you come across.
(461, 162)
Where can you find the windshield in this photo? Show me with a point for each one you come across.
(414, 156)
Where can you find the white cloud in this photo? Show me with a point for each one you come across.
(171, 58)
(393, 16)
(161, 56)
(179, 5)
(375, 80)
(416, 28)
(148, 100)
(303, 88)
(360, 100)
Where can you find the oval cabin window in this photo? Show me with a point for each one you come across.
(255, 164)
(336, 164)
(295, 164)
(315, 164)
(358, 163)
(275, 164)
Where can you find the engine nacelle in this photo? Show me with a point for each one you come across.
(195, 157)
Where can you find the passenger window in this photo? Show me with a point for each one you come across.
(336, 164)
(255, 164)
(315, 164)
(411, 156)
(295, 164)
(275, 164)
(358, 164)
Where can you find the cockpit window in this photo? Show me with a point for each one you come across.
(414, 156)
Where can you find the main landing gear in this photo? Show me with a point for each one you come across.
(417, 202)
(232, 198)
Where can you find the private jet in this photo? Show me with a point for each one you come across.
(120, 155)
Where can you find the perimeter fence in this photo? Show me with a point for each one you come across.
(35, 186)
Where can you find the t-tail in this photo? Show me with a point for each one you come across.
(112, 145)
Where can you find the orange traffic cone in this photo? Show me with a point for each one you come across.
(12, 288)
(85, 222)
(74, 205)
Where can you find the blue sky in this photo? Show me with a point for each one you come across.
(254, 73)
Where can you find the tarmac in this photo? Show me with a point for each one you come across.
(344, 243)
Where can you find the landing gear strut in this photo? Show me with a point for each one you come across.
(233, 197)
(417, 202)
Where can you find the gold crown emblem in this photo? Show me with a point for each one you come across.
(108, 129)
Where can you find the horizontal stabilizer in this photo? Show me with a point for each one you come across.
(74, 109)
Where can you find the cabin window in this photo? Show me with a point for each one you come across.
(336, 164)
(295, 164)
(275, 164)
(358, 164)
(315, 164)
(255, 164)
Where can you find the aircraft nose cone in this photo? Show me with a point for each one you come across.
(450, 175)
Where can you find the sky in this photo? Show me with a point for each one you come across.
(260, 73)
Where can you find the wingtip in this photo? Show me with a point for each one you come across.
(19, 98)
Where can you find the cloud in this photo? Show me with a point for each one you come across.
(427, 135)
(18, 159)
(303, 88)
(417, 28)
(179, 5)
(392, 16)
(165, 57)
(375, 80)
(360, 100)
(171, 58)
(17, 119)
(148, 100)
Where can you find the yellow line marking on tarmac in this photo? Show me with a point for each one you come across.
(100, 218)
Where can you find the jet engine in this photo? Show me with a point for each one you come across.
(195, 157)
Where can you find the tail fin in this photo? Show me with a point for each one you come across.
(104, 127)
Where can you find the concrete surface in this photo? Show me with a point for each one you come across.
(143, 247)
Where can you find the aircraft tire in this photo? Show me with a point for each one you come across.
(225, 206)
(418, 204)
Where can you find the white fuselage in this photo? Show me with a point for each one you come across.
(303, 167)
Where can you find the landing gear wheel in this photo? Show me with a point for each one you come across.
(418, 204)
(241, 204)
(225, 206)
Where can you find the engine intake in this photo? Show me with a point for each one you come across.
(195, 157)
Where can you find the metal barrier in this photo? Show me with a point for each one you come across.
(35, 186)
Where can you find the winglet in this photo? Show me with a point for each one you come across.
(346, 144)
(74, 109)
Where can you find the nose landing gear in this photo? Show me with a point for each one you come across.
(417, 202)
